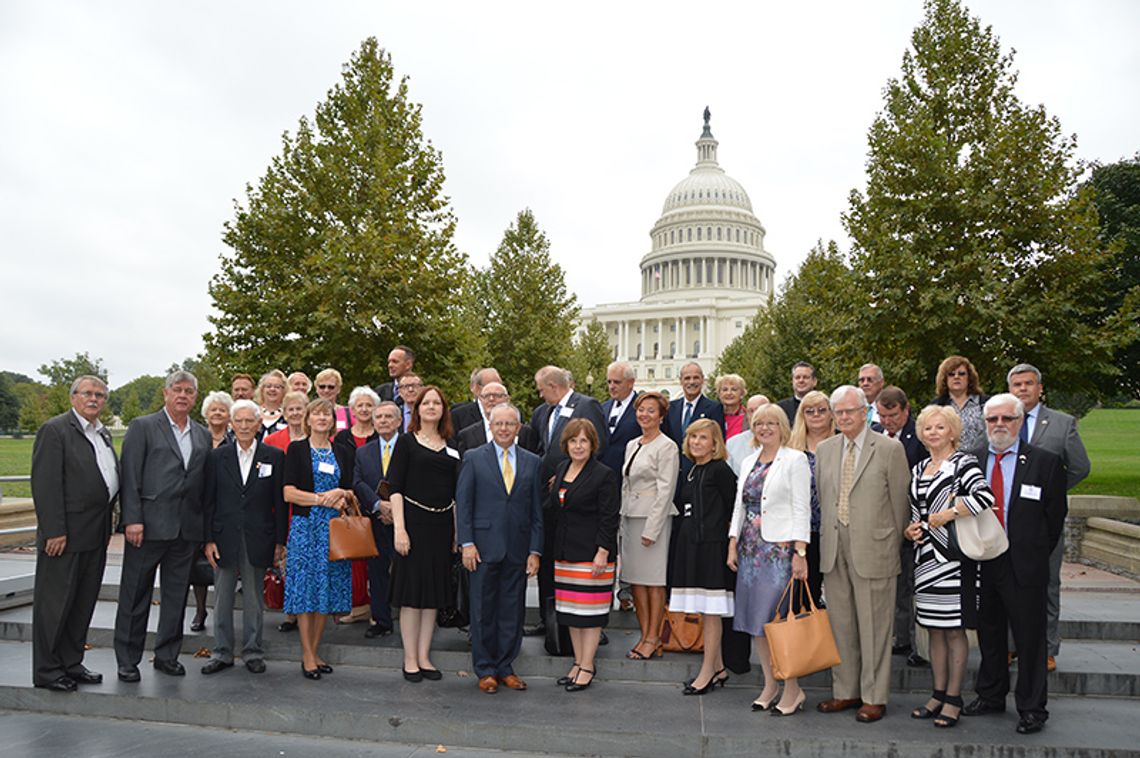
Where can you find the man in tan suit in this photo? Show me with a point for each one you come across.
(864, 484)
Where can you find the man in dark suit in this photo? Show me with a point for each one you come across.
(898, 423)
(691, 406)
(803, 382)
(164, 457)
(498, 516)
(560, 404)
(1056, 432)
(401, 360)
(479, 433)
(370, 470)
(1029, 499)
(75, 480)
(246, 524)
(468, 412)
(621, 418)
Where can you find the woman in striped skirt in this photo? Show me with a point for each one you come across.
(947, 486)
(586, 505)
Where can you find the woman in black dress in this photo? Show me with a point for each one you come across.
(699, 575)
(586, 507)
(422, 476)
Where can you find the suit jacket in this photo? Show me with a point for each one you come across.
(1033, 524)
(368, 472)
(789, 406)
(878, 507)
(475, 435)
(254, 509)
(704, 408)
(649, 481)
(158, 490)
(915, 452)
(70, 496)
(626, 430)
(1057, 432)
(785, 504)
(465, 414)
(586, 517)
(581, 406)
(505, 527)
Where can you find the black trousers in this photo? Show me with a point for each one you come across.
(1005, 604)
(379, 571)
(546, 567)
(140, 564)
(67, 588)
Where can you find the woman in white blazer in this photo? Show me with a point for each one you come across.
(649, 477)
(768, 538)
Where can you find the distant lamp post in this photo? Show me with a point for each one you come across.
(590, 383)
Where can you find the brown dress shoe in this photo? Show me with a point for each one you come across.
(511, 681)
(1050, 664)
(835, 705)
(869, 713)
(489, 685)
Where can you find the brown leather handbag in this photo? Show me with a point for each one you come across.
(350, 534)
(802, 643)
(683, 632)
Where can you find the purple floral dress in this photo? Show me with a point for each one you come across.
(764, 568)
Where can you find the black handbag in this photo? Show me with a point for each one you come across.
(201, 572)
(458, 614)
(557, 636)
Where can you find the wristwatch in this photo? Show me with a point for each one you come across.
(801, 552)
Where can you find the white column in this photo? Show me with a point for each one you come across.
(682, 338)
(704, 335)
(623, 340)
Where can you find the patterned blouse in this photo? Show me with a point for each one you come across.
(959, 477)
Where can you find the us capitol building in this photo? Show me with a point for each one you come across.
(704, 278)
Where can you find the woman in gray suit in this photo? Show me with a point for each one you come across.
(647, 510)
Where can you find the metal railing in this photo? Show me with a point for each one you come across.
(18, 529)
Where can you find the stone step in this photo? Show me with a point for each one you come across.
(1087, 667)
(612, 718)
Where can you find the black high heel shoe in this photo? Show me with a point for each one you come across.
(562, 681)
(715, 682)
(922, 712)
(199, 622)
(324, 668)
(691, 690)
(575, 686)
(944, 721)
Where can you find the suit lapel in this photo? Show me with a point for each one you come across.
(865, 458)
(1041, 425)
(230, 464)
(166, 431)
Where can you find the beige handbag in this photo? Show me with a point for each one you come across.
(803, 643)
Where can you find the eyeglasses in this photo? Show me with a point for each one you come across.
(848, 411)
(273, 386)
(491, 396)
(765, 425)
(821, 410)
(959, 372)
(411, 387)
(326, 386)
(1003, 419)
(89, 395)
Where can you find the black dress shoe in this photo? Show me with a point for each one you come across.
(900, 649)
(432, 675)
(216, 665)
(916, 661)
(1030, 724)
(60, 684)
(414, 676)
(199, 623)
(981, 707)
(287, 626)
(538, 630)
(85, 676)
(255, 666)
(310, 673)
(377, 630)
(129, 674)
(170, 668)
(324, 668)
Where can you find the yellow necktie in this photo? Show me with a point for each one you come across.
(845, 482)
(508, 474)
(385, 457)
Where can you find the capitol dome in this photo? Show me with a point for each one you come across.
(707, 237)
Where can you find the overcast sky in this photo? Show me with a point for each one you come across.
(127, 130)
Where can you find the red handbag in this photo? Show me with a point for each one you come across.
(274, 589)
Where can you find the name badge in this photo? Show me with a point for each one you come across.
(326, 468)
(1029, 492)
(452, 452)
(566, 412)
(687, 510)
(264, 470)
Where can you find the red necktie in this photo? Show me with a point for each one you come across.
(997, 484)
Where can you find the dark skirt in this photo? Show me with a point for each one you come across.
(700, 579)
(422, 578)
(580, 598)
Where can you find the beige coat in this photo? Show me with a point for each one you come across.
(647, 489)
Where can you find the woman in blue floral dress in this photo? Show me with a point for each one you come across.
(317, 481)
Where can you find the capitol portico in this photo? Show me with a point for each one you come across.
(703, 280)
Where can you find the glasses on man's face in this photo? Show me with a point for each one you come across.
(959, 373)
(821, 410)
(1003, 419)
(88, 394)
(494, 396)
(847, 411)
(411, 387)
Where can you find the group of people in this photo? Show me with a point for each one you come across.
(690, 505)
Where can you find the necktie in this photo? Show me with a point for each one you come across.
(614, 414)
(554, 414)
(845, 481)
(385, 458)
(1023, 435)
(508, 473)
(688, 416)
(997, 484)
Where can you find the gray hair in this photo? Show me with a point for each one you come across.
(218, 396)
(87, 378)
(878, 371)
(239, 405)
(1004, 398)
(625, 367)
(1023, 368)
(559, 377)
(508, 406)
(386, 404)
(358, 391)
(843, 389)
(691, 363)
(177, 377)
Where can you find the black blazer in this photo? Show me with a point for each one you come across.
(626, 430)
(583, 406)
(790, 406)
(347, 447)
(299, 469)
(915, 452)
(474, 435)
(1034, 525)
(704, 408)
(713, 493)
(588, 517)
(70, 495)
(255, 509)
(465, 414)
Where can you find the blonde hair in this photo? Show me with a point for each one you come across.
(948, 414)
(272, 373)
(797, 440)
(773, 412)
(329, 373)
(736, 379)
(719, 452)
(319, 404)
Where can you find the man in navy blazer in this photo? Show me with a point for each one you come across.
(498, 517)
(372, 468)
(691, 406)
(1029, 497)
(621, 419)
(246, 523)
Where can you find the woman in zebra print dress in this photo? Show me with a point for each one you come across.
(945, 487)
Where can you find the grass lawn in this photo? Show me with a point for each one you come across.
(16, 460)
(1112, 438)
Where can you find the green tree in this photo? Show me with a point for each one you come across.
(1116, 194)
(139, 396)
(344, 248)
(971, 236)
(9, 405)
(61, 374)
(34, 408)
(589, 357)
(527, 312)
